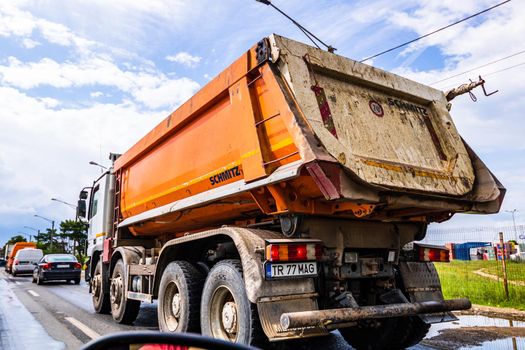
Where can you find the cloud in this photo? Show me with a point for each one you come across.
(96, 94)
(185, 59)
(30, 43)
(16, 22)
(150, 87)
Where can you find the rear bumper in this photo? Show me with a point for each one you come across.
(347, 315)
(61, 275)
(23, 268)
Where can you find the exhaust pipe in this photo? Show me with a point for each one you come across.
(334, 316)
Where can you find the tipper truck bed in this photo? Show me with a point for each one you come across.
(282, 201)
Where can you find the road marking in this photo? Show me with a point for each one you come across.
(33, 293)
(85, 329)
(18, 283)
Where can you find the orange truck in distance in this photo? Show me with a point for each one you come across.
(12, 253)
(283, 201)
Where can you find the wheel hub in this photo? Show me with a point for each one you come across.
(175, 305)
(95, 284)
(229, 317)
(116, 290)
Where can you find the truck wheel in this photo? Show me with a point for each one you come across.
(180, 298)
(123, 310)
(393, 333)
(226, 311)
(100, 299)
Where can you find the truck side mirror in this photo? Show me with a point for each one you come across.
(81, 208)
(83, 194)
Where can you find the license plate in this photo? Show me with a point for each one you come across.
(62, 266)
(300, 269)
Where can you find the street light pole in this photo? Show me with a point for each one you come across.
(102, 168)
(64, 202)
(37, 237)
(52, 230)
(28, 235)
(513, 212)
(68, 204)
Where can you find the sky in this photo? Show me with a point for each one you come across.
(80, 79)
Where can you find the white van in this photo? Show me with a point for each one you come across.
(25, 260)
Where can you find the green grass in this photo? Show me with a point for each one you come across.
(459, 281)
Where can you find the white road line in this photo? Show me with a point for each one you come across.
(18, 283)
(85, 329)
(33, 293)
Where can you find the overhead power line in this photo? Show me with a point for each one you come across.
(485, 75)
(505, 69)
(434, 32)
(305, 31)
(478, 67)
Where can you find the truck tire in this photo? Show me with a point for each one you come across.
(100, 299)
(123, 310)
(180, 298)
(226, 311)
(393, 334)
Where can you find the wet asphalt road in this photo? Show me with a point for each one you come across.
(60, 316)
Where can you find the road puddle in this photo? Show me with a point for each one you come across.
(477, 332)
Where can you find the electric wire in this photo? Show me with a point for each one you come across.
(486, 75)
(478, 67)
(305, 31)
(434, 32)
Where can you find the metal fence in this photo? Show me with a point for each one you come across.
(482, 268)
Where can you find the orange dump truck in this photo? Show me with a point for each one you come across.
(12, 253)
(281, 201)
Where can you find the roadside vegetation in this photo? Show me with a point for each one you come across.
(459, 281)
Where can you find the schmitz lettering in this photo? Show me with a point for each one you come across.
(407, 106)
(225, 175)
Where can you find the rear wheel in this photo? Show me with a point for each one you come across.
(100, 299)
(180, 297)
(76, 281)
(226, 311)
(123, 310)
(39, 280)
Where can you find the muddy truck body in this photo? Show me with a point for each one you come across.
(282, 201)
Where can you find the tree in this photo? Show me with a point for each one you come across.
(75, 231)
(44, 242)
(16, 239)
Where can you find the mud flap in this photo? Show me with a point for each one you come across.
(270, 311)
(421, 282)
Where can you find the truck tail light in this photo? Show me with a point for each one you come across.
(16, 262)
(77, 265)
(433, 254)
(293, 252)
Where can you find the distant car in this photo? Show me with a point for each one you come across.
(57, 267)
(2, 262)
(25, 260)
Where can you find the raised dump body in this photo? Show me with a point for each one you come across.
(289, 128)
